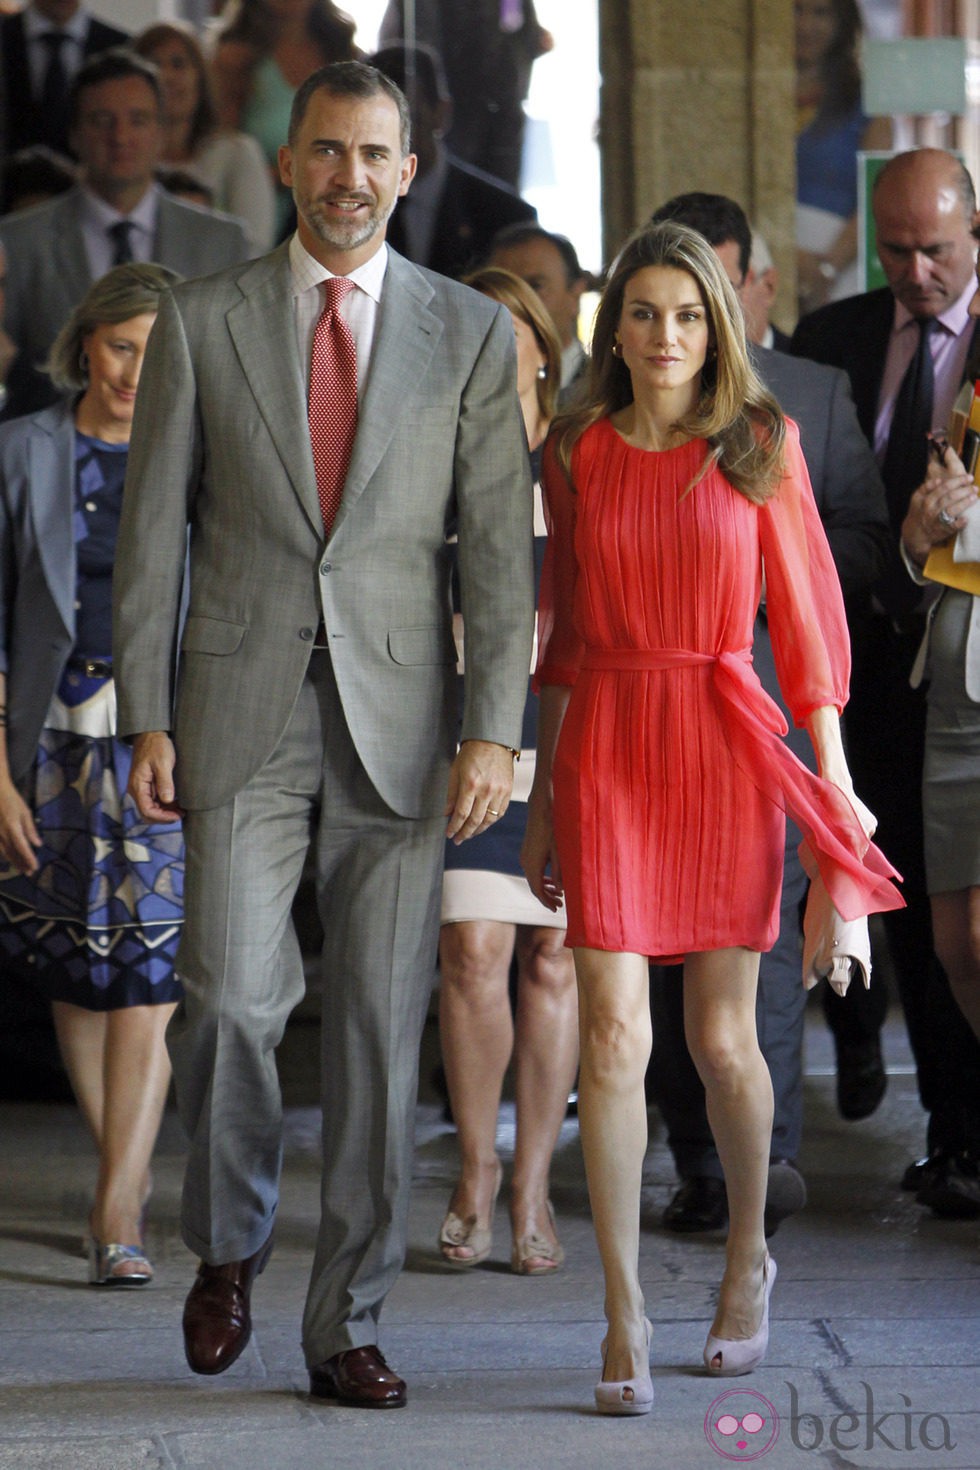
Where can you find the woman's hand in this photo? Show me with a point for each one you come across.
(867, 818)
(823, 725)
(18, 834)
(937, 510)
(539, 859)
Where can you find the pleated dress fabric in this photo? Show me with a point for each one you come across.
(670, 779)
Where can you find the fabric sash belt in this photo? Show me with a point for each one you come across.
(855, 872)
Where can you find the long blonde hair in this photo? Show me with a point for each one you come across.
(740, 419)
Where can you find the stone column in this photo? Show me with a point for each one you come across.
(699, 94)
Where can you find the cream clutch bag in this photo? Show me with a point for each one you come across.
(833, 948)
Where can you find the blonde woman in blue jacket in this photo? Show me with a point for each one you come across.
(90, 895)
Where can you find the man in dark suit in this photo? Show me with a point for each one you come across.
(924, 207)
(453, 210)
(549, 264)
(321, 449)
(487, 48)
(117, 213)
(849, 496)
(41, 50)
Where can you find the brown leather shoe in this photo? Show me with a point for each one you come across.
(359, 1377)
(217, 1313)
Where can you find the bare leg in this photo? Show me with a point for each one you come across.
(119, 1070)
(81, 1040)
(956, 934)
(614, 1030)
(477, 1036)
(720, 1025)
(137, 1076)
(545, 1060)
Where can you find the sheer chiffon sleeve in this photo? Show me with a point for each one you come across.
(560, 647)
(804, 603)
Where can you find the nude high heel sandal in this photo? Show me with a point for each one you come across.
(631, 1395)
(741, 1355)
(456, 1232)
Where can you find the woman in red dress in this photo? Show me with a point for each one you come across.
(677, 497)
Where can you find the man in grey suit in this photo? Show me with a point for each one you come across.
(118, 212)
(316, 687)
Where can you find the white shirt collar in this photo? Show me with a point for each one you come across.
(308, 272)
(102, 215)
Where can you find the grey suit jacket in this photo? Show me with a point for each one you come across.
(37, 571)
(847, 484)
(221, 442)
(48, 273)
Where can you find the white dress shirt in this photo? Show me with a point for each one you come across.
(96, 218)
(948, 346)
(359, 307)
(38, 54)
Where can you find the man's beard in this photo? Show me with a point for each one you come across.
(341, 234)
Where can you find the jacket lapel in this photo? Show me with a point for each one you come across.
(51, 472)
(406, 336)
(263, 329)
(866, 358)
(67, 246)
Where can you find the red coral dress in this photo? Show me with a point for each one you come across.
(671, 779)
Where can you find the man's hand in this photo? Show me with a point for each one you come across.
(18, 834)
(936, 510)
(480, 783)
(151, 778)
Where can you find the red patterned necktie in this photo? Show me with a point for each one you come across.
(333, 399)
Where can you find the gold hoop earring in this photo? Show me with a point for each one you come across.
(617, 349)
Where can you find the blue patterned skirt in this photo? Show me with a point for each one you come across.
(98, 923)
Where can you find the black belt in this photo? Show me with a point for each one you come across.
(95, 668)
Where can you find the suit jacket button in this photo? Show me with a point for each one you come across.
(306, 634)
(327, 566)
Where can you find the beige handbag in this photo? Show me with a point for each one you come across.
(833, 948)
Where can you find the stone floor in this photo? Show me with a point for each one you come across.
(875, 1336)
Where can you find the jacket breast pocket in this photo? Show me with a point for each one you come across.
(211, 635)
(429, 645)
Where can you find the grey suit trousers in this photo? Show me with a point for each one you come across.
(377, 878)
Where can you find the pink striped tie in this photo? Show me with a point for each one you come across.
(333, 399)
